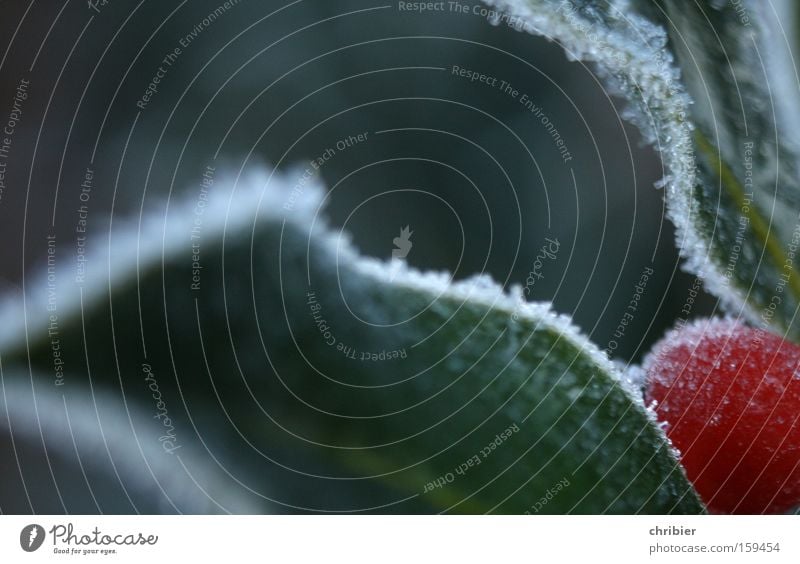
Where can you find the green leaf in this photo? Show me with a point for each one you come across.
(719, 104)
(354, 384)
(79, 450)
(737, 68)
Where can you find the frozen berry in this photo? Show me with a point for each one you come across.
(729, 396)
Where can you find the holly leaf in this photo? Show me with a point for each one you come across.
(716, 95)
(353, 383)
(736, 65)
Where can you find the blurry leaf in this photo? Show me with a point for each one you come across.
(727, 132)
(85, 451)
(272, 334)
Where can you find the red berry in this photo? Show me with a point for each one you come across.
(729, 396)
